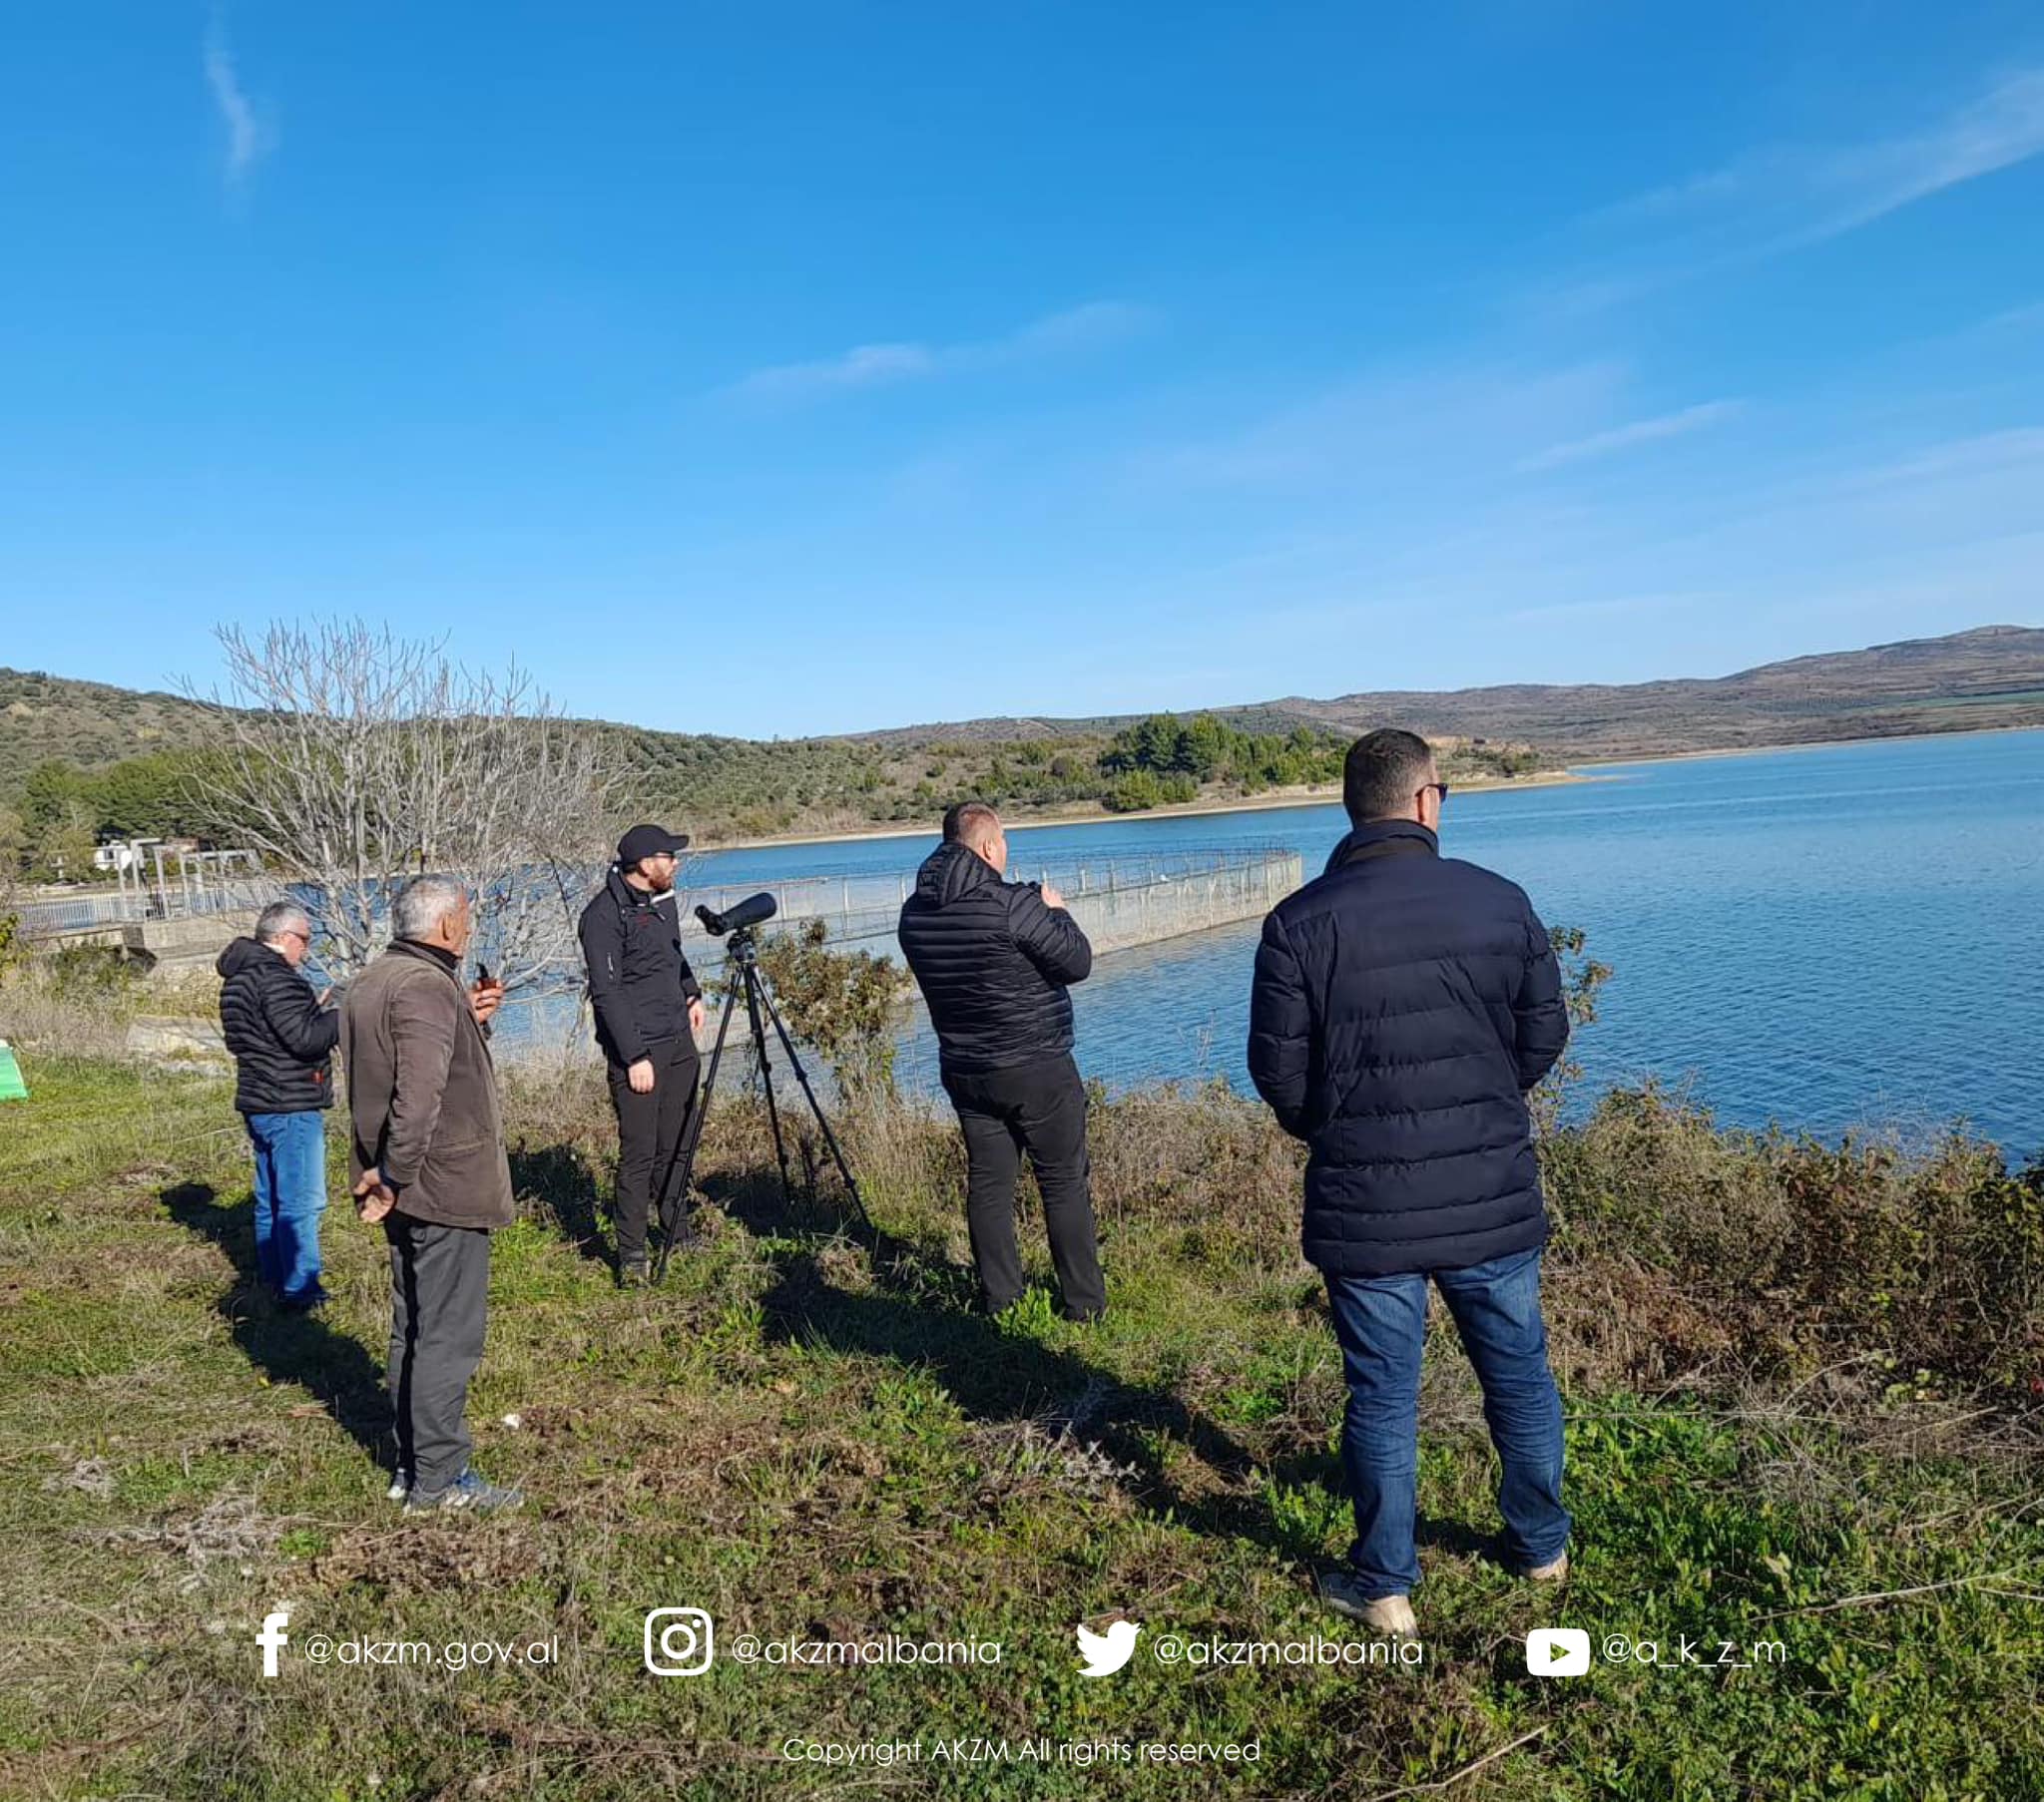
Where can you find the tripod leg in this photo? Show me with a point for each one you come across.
(802, 1077)
(755, 986)
(682, 1164)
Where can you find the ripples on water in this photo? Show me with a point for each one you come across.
(1839, 938)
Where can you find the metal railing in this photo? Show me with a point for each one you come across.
(857, 908)
(57, 917)
(862, 913)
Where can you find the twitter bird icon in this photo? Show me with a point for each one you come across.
(1101, 1655)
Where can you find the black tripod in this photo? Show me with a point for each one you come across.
(742, 971)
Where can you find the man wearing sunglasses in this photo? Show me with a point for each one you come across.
(1405, 1004)
(281, 1036)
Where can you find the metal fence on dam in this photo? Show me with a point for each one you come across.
(1120, 902)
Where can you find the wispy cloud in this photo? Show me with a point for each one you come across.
(2003, 127)
(1624, 437)
(248, 138)
(1450, 424)
(2017, 451)
(1784, 198)
(1618, 606)
(2016, 318)
(864, 366)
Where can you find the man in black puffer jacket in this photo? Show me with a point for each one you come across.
(993, 960)
(1405, 1004)
(282, 1036)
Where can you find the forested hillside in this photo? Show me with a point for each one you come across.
(81, 761)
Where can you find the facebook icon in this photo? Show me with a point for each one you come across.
(272, 1638)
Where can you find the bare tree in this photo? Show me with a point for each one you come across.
(351, 759)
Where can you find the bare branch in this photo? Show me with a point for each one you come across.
(353, 759)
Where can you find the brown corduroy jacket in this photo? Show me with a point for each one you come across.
(422, 1091)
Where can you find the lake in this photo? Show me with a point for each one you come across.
(1849, 936)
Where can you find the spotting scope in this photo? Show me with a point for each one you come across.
(746, 913)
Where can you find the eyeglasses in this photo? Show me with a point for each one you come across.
(1441, 787)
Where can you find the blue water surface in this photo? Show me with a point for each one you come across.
(1849, 936)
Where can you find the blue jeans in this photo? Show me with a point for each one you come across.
(1381, 1324)
(291, 1195)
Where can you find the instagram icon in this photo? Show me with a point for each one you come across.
(677, 1642)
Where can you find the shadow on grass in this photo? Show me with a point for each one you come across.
(922, 1312)
(560, 1178)
(1459, 1537)
(288, 1347)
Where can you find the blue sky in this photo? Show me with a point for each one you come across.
(792, 368)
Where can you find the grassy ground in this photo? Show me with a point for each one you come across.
(808, 1433)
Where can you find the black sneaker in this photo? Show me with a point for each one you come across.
(634, 1275)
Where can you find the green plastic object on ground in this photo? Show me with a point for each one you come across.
(12, 1088)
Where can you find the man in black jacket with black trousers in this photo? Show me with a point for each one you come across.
(994, 959)
(281, 1036)
(649, 1009)
(1405, 1004)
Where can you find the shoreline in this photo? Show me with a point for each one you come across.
(1273, 802)
(1801, 744)
(1584, 769)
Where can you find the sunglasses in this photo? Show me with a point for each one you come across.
(1441, 787)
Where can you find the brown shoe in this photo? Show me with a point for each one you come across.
(1551, 1574)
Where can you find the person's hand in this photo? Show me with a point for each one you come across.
(373, 1196)
(325, 994)
(1051, 898)
(485, 998)
(640, 1075)
(695, 1015)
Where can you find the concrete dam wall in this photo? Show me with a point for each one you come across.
(1168, 907)
(1121, 904)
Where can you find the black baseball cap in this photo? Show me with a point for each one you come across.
(649, 841)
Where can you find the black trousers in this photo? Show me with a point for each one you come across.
(439, 1290)
(1038, 1110)
(650, 1127)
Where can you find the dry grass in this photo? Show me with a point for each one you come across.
(808, 1431)
(81, 1002)
(1684, 1251)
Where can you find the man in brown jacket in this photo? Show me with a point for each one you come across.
(428, 1163)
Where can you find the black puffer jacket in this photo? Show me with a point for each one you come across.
(640, 982)
(1404, 1005)
(281, 1037)
(993, 962)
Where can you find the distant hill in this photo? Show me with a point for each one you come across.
(739, 787)
(1992, 675)
(46, 718)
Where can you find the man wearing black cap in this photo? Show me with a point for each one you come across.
(649, 1009)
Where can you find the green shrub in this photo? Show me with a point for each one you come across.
(846, 1004)
(1769, 1250)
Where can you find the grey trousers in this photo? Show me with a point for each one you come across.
(439, 1287)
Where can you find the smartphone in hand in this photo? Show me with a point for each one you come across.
(486, 995)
